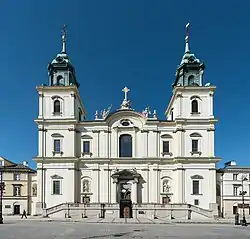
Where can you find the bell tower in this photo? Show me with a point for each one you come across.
(190, 71)
(61, 71)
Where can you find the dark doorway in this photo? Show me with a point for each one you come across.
(235, 210)
(166, 200)
(125, 208)
(16, 209)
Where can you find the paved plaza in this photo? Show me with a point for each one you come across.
(30, 229)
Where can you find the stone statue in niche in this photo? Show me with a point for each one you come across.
(166, 186)
(85, 186)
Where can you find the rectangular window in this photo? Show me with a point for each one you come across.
(17, 176)
(57, 145)
(196, 185)
(16, 190)
(235, 190)
(86, 147)
(56, 187)
(195, 145)
(235, 175)
(165, 146)
(196, 202)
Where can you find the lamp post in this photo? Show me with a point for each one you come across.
(2, 187)
(242, 193)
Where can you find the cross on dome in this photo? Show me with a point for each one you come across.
(126, 90)
(126, 104)
(64, 36)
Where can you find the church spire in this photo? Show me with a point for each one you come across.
(190, 71)
(64, 38)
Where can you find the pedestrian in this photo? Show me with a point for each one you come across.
(24, 214)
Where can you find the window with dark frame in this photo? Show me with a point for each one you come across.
(235, 190)
(196, 202)
(86, 147)
(57, 107)
(196, 185)
(195, 143)
(57, 145)
(125, 145)
(235, 175)
(16, 190)
(56, 187)
(194, 106)
(165, 146)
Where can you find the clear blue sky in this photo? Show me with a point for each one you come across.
(124, 43)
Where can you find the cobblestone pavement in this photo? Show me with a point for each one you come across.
(28, 229)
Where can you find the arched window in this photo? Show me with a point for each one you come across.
(85, 186)
(191, 80)
(60, 80)
(194, 106)
(57, 107)
(125, 145)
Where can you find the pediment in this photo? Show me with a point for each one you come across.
(55, 176)
(196, 177)
(134, 118)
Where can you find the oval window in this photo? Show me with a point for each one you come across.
(125, 123)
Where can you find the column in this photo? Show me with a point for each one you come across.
(113, 190)
(134, 191)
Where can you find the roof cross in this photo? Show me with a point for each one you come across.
(64, 36)
(126, 90)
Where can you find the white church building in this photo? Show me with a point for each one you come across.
(157, 167)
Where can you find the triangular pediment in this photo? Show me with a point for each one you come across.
(196, 177)
(55, 176)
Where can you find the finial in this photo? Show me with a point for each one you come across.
(64, 35)
(187, 38)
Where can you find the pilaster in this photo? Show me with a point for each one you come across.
(114, 190)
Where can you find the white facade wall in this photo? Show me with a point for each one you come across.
(72, 167)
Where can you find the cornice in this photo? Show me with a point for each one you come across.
(73, 129)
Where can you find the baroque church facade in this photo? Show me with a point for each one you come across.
(126, 154)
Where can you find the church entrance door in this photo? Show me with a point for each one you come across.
(126, 208)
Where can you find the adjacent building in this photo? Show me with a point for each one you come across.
(232, 180)
(19, 192)
(124, 153)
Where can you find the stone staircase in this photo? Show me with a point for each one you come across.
(170, 211)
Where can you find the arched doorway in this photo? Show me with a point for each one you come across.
(126, 190)
(16, 208)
